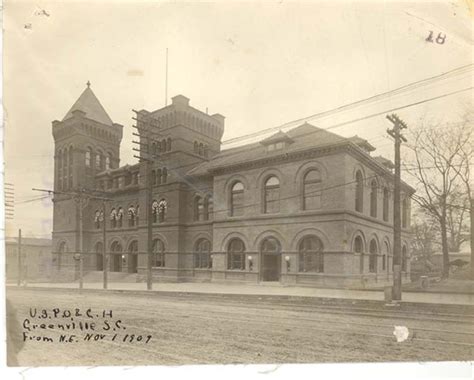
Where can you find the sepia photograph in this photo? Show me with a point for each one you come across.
(247, 183)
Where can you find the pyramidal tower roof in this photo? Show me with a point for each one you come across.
(89, 104)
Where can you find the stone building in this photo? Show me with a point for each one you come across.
(300, 207)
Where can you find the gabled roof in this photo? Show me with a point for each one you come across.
(277, 137)
(89, 104)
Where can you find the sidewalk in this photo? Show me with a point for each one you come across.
(268, 290)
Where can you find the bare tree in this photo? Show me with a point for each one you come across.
(457, 216)
(436, 167)
(424, 232)
(466, 158)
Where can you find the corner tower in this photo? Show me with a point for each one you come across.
(87, 142)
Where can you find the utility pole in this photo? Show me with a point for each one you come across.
(145, 149)
(19, 258)
(105, 256)
(81, 203)
(395, 132)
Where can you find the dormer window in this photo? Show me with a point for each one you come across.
(276, 142)
(276, 146)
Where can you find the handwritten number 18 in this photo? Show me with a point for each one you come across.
(439, 40)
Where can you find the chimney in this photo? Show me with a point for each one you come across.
(220, 119)
(180, 100)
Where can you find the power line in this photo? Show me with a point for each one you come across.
(371, 99)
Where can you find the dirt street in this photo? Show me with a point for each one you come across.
(205, 329)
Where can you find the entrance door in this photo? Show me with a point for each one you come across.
(271, 267)
(132, 257)
(271, 259)
(116, 250)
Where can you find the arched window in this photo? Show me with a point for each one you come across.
(157, 178)
(137, 215)
(159, 209)
(196, 147)
(311, 255)
(202, 253)
(373, 256)
(116, 251)
(385, 257)
(153, 148)
(271, 245)
(208, 208)
(107, 162)
(119, 217)
(198, 209)
(359, 193)
(133, 257)
(404, 258)
(158, 253)
(385, 204)
(99, 256)
(312, 190)
(405, 212)
(113, 218)
(359, 248)
(98, 160)
(201, 149)
(164, 175)
(373, 199)
(272, 195)
(98, 218)
(236, 254)
(237, 199)
(88, 157)
(168, 144)
(65, 169)
(131, 216)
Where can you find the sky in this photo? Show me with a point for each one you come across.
(259, 64)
